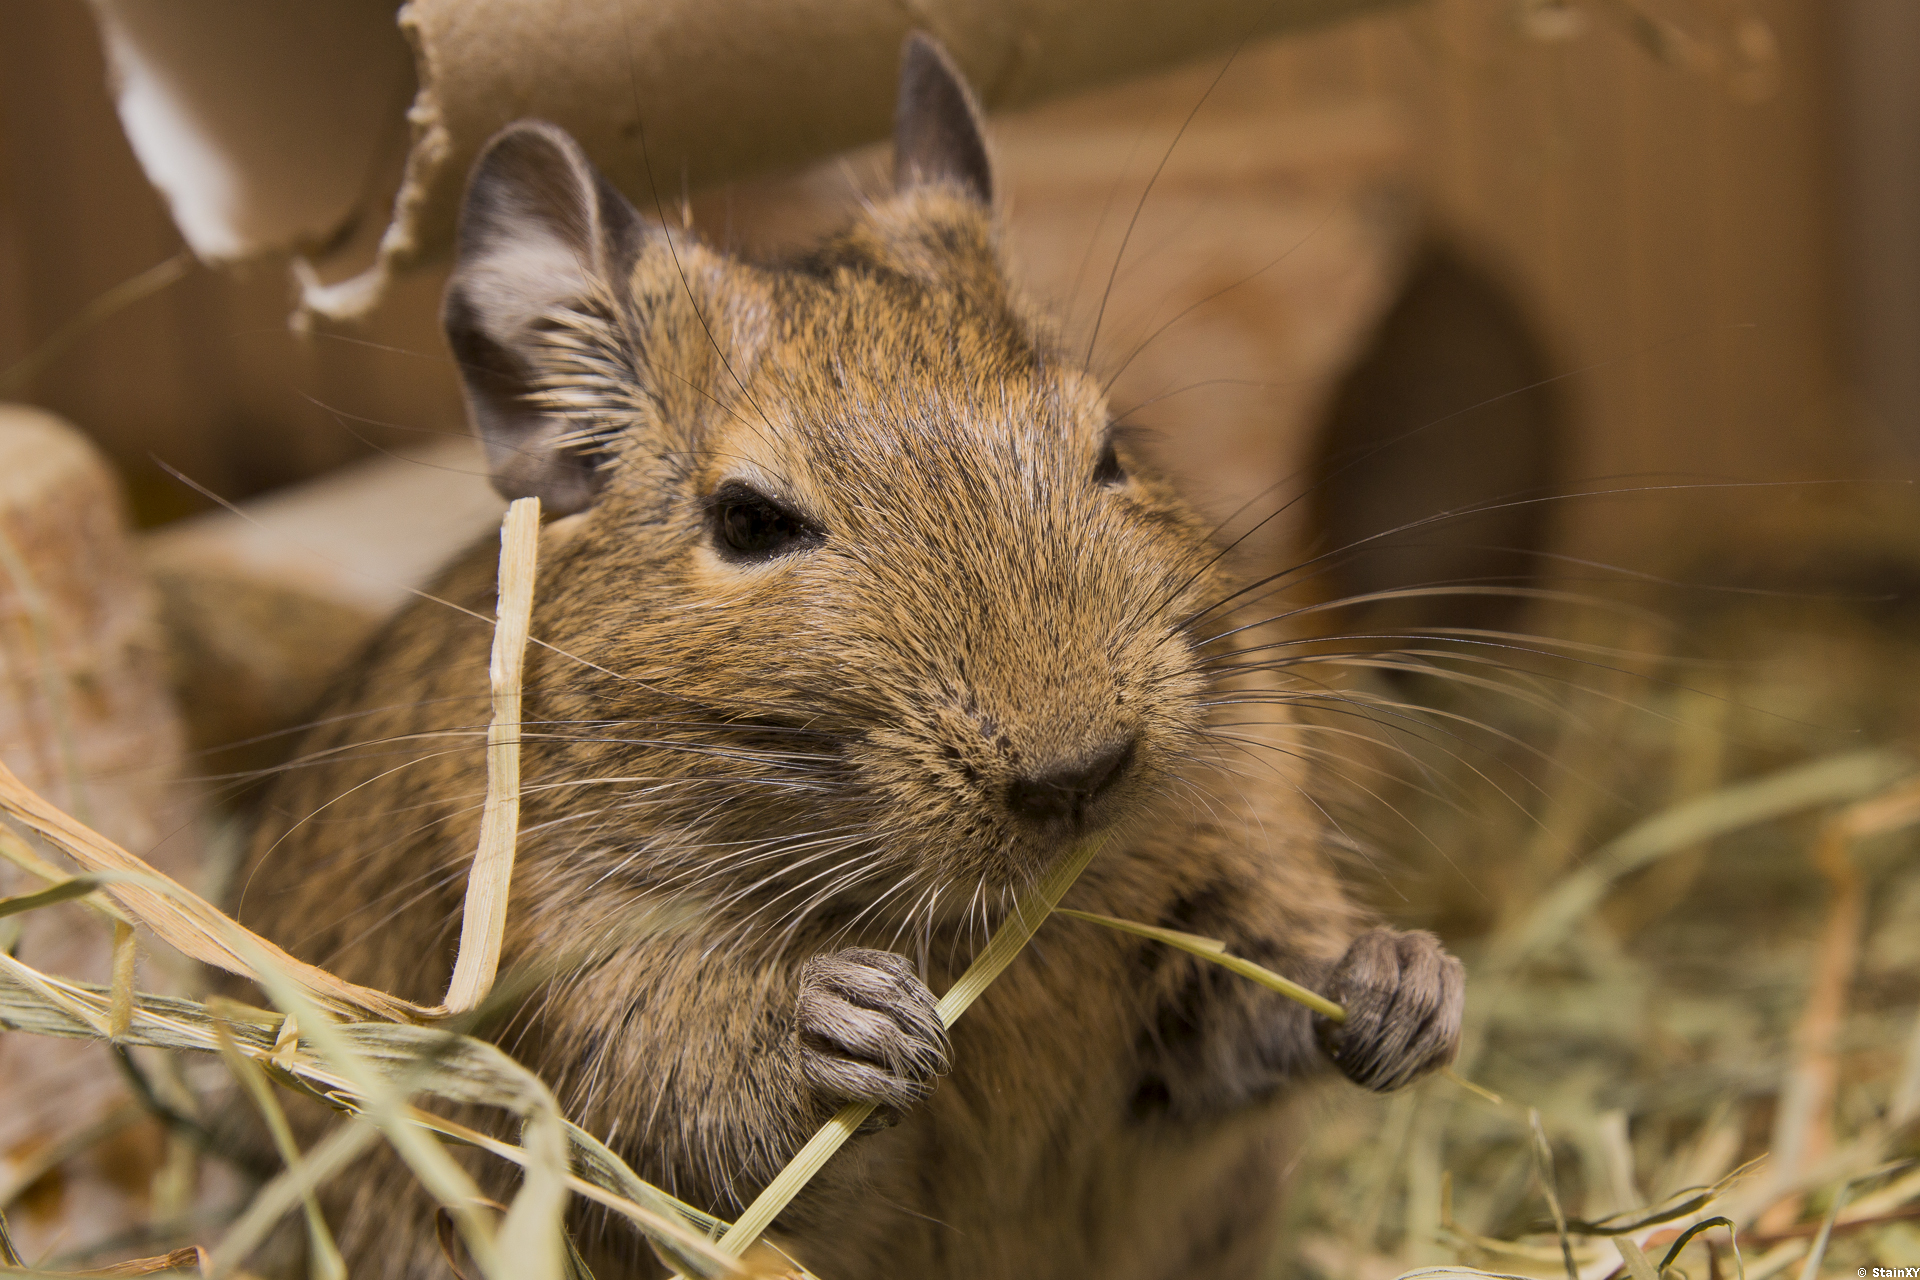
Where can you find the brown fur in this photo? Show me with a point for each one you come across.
(734, 771)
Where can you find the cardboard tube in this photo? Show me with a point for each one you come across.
(262, 125)
(667, 97)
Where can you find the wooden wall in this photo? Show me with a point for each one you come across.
(1662, 200)
(203, 375)
(1673, 222)
(1659, 197)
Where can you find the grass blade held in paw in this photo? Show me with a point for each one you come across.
(1029, 913)
(1212, 949)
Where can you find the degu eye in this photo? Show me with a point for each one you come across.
(1108, 470)
(748, 525)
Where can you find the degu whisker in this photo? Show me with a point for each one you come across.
(1316, 565)
(1516, 688)
(1469, 640)
(1432, 591)
(1346, 840)
(309, 818)
(1328, 753)
(1411, 716)
(1251, 747)
(1533, 689)
(1429, 667)
(1329, 757)
(841, 875)
(825, 844)
(730, 863)
(1411, 722)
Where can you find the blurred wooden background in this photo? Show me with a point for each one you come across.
(1707, 212)
(205, 374)
(1681, 195)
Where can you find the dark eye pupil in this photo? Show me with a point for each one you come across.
(1108, 469)
(748, 525)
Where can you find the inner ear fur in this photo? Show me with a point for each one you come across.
(938, 131)
(542, 235)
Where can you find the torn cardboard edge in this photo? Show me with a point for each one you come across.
(261, 125)
(277, 129)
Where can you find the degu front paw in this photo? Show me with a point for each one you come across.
(1403, 995)
(868, 1032)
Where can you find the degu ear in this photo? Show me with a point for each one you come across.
(938, 135)
(541, 235)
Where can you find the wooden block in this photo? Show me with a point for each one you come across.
(263, 604)
(86, 719)
(85, 716)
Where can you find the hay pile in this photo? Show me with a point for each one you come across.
(1692, 929)
(1681, 887)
